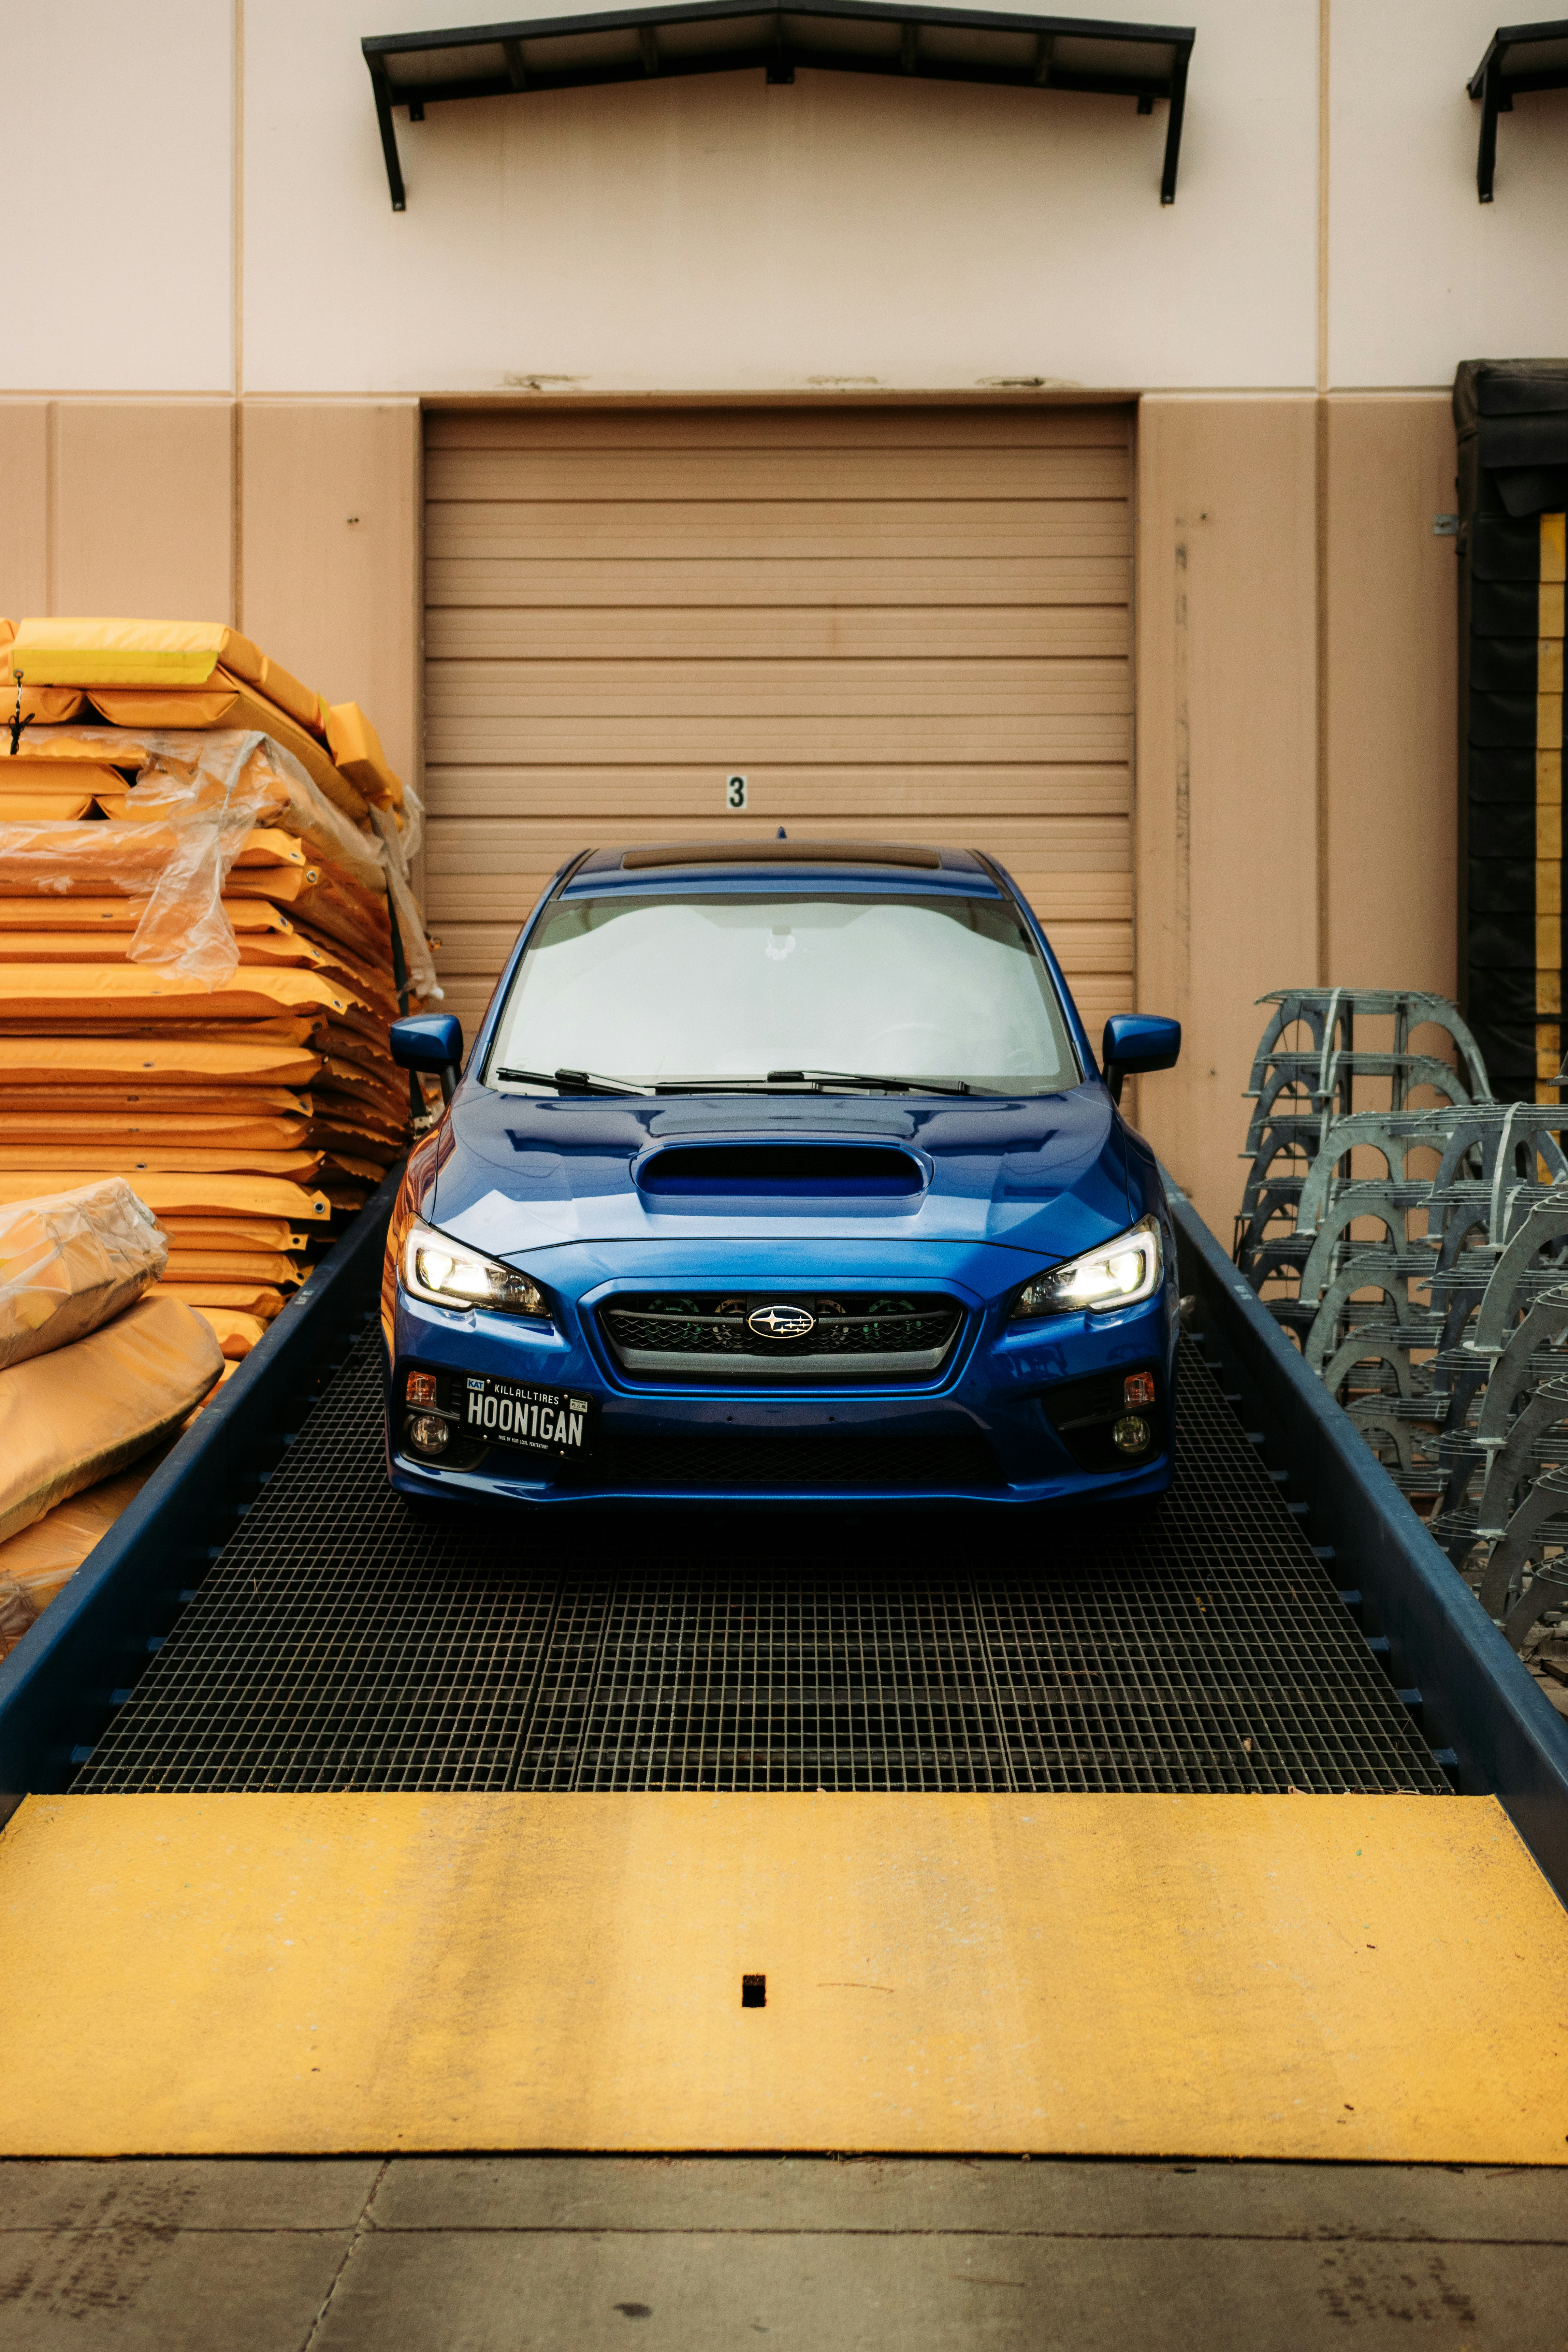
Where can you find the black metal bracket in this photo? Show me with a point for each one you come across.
(1084, 54)
(1518, 57)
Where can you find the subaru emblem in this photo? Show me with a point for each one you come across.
(781, 1322)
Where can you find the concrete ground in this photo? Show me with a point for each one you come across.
(692, 2254)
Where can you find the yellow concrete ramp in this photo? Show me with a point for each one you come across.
(1355, 1977)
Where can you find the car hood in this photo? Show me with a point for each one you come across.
(518, 1173)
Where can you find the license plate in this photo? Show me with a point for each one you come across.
(535, 1421)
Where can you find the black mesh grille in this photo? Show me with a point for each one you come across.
(342, 1642)
(845, 1325)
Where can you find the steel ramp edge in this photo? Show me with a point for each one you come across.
(58, 1686)
(1475, 1697)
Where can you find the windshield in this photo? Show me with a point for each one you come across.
(678, 990)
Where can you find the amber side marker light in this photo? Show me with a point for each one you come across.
(1138, 1389)
(420, 1388)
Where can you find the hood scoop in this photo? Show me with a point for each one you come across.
(778, 1172)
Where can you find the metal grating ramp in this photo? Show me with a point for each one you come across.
(342, 1643)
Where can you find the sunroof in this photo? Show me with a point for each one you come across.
(1145, 63)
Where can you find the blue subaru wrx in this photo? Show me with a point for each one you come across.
(781, 1171)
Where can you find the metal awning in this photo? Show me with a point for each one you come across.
(1519, 58)
(1144, 62)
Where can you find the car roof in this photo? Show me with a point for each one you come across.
(747, 863)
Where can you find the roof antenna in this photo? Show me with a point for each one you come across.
(781, 834)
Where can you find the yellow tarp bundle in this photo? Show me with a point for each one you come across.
(231, 1232)
(196, 908)
(74, 1417)
(356, 751)
(195, 1193)
(156, 1062)
(45, 1556)
(233, 1266)
(236, 1332)
(250, 1298)
(134, 1160)
(70, 1262)
(231, 703)
(141, 992)
(66, 651)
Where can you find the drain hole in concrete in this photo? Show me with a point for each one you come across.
(753, 1992)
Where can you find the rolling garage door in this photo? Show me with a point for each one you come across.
(896, 623)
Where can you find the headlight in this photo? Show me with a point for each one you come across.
(438, 1268)
(1120, 1275)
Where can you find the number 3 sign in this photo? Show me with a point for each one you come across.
(734, 793)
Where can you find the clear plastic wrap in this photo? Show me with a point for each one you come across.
(19, 1611)
(292, 798)
(398, 848)
(71, 1261)
(202, 803)
(200, 816)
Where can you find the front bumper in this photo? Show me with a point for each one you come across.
(980, 1433)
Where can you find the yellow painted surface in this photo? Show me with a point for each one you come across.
(1272, 1977)
(1549, 622)
(1552, 546)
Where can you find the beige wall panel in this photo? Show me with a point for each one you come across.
(1420, 274)
(690, 633)
(913, 795)
(1227, 793)
(117, 134)
(607, 476)
(713, 232)
(887, 529)
(565, 582)
(144, 508)
(526, 691)
(744, 742)
(330, 564)
(950, 424)
(897, 623)
(1391, 680)
(24, 507)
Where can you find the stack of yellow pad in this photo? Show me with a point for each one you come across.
(197, 958)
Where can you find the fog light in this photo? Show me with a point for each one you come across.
(427, 1432)
(1137, 1389)
(420, 1388)
(1131, 1433)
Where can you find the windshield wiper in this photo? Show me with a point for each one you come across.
(572, 1082)
(859, 1078)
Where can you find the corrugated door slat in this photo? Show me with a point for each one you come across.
(905, 622)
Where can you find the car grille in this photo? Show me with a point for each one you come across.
(675, 1336)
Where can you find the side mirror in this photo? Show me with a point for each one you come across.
(1138, 1041)
(429, 1041)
